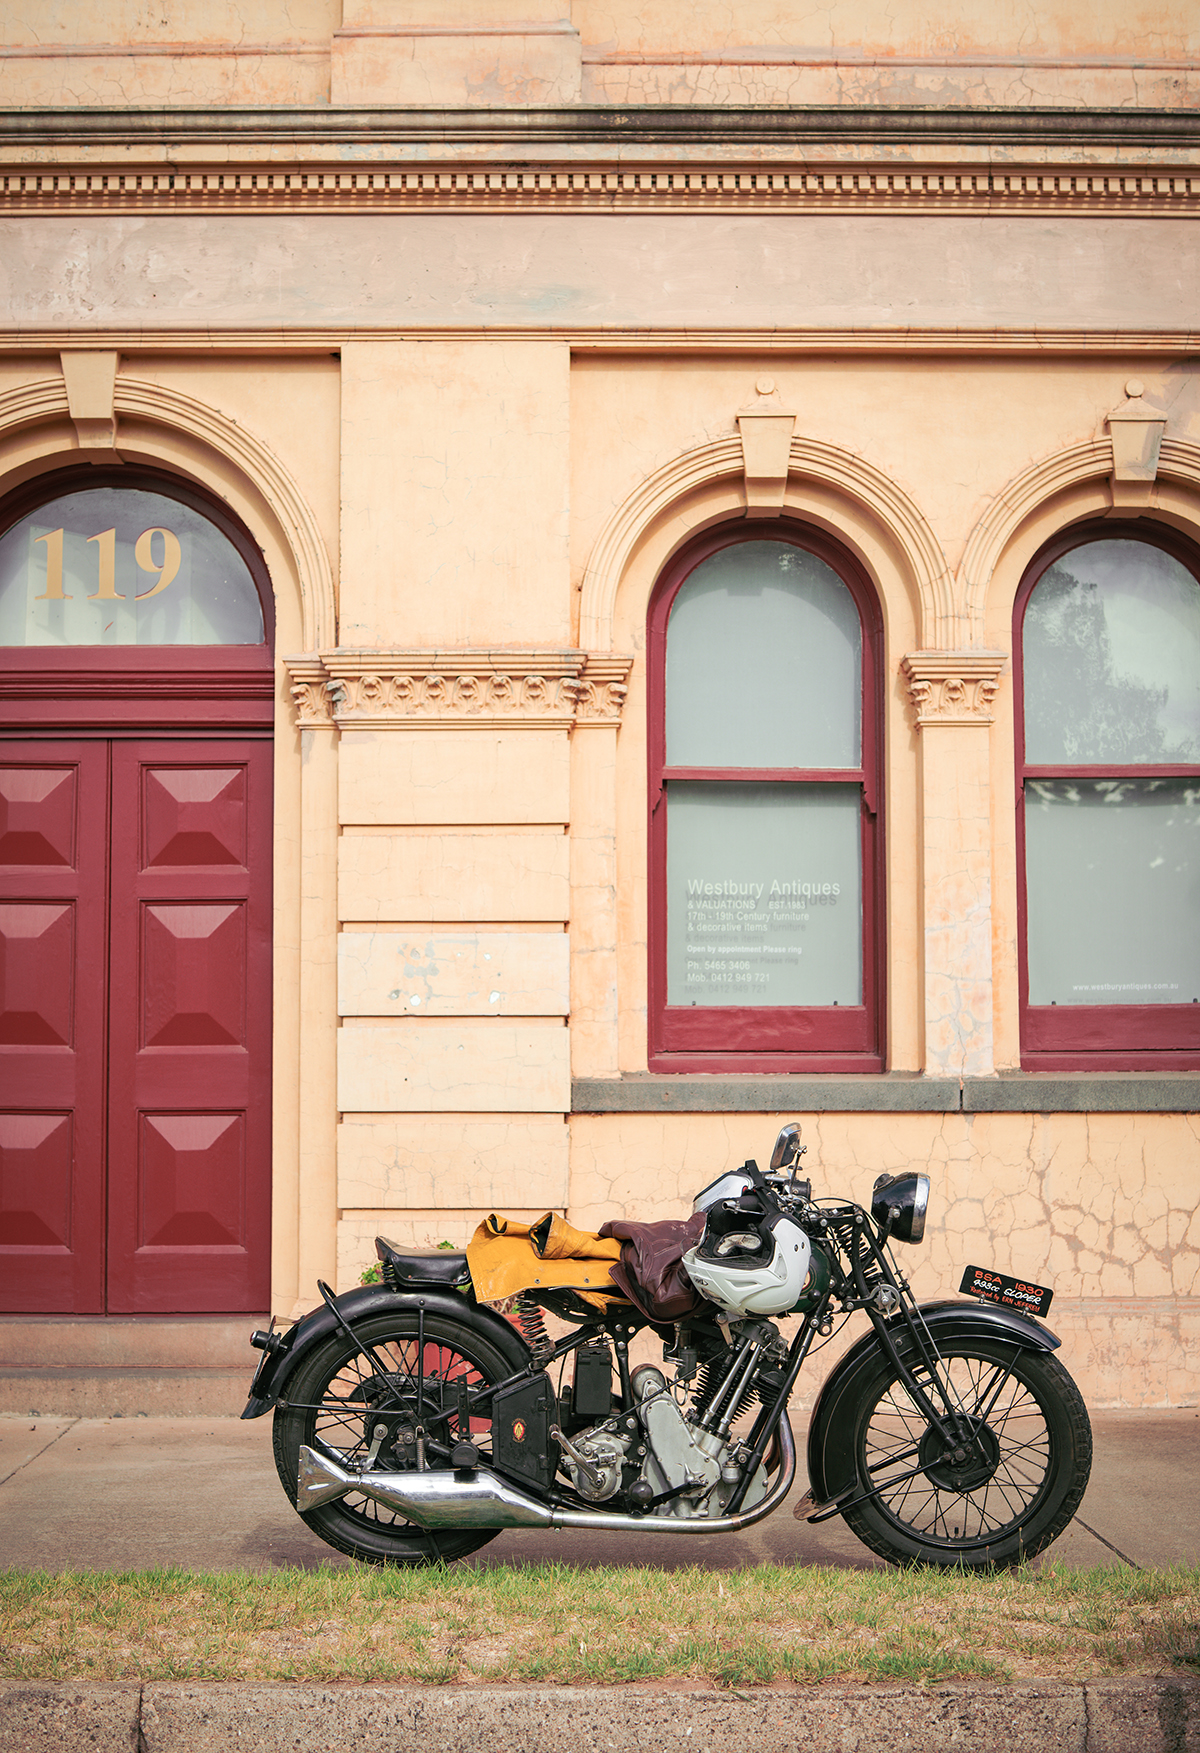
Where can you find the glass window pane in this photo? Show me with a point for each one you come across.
(1111, 646)
(1113, 869)
(764, 894)
(764, 663)
(124, 566)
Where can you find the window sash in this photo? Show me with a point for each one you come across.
(1119, 1034)
(755, 1037)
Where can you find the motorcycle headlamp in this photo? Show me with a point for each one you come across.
(902, 1199)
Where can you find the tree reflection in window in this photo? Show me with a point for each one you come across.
(1110, 803)
(1112, 658)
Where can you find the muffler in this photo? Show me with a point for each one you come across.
(478, 1499)
(481, 1499)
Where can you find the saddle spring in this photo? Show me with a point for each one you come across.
(531, 1319)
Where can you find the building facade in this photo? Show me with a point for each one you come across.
(578, 580)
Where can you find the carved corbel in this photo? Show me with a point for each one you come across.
(953, 687)
(309, 685)
(766, 428)
(91, 379)
(602, 690)
(1136, 430)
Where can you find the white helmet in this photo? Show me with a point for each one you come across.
(751, 1259)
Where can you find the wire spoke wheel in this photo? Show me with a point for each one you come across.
(1001, 1489)
(364, 1410)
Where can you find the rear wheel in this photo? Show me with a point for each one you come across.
(1002, 1491)
(345, 1405)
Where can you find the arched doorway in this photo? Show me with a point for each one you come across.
(135, 900)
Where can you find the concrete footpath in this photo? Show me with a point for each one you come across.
(139, 1493)
(203, 1494)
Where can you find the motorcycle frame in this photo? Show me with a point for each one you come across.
(907, 1330)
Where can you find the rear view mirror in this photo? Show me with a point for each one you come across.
(787, 1150)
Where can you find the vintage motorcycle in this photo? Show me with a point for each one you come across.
(412, 1422)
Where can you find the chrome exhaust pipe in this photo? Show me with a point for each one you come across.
(444, 1499)
(481, 1499)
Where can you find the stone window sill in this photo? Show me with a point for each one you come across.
(896, 1092)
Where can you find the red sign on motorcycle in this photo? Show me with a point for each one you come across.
(1010, 1293)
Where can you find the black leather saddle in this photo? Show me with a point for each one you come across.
(445, 1267)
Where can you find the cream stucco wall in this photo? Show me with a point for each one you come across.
(497, 52)
(466, 851)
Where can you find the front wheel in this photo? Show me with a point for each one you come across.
(1002, 1491)
(356, 1410)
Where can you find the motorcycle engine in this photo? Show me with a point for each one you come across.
(605, 1452)
(699, 1466)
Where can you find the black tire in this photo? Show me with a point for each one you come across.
(336, 1399)
(1010, 1495)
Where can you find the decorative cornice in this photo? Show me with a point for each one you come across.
(550, 185)
(953, 687)
(628, 126)
(875, 342)
(448, 690)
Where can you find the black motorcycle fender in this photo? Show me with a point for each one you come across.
(831, 1468)
(278, 1367)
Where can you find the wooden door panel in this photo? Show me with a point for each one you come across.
(183, 1155)
(53, 969)
(35, 1172)
(37, 973)
(38, 815)
(195, 815)
(193, 974)
(189, 1213)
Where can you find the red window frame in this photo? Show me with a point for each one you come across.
(748, 1038)
(1093, 1037)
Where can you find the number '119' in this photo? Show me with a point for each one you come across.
(106, 564)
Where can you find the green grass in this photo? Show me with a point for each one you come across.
(560, 1625)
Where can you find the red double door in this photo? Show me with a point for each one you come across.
(135, 1024)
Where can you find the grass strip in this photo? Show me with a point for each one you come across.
(563, 1625)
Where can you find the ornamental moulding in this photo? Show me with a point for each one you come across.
(1177, 463)
(657, 497)
(953, 687)
(463, 690)
(671, 188)
(95, 396)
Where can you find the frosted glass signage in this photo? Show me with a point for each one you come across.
(1113, 877)
(764, 894)
(124, 566)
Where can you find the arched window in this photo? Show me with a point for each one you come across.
(765, 892)
(1107, 637)
(113, 557)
